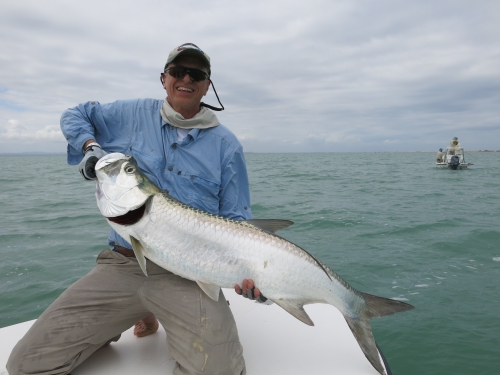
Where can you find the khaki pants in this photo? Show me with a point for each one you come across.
(201, 333)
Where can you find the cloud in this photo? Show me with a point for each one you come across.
(330, 74)
(14, 131)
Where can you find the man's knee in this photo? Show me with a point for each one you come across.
(23, 361)
(14, 362)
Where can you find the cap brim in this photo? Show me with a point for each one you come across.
(191, 52)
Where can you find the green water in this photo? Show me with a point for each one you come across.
(390, 224)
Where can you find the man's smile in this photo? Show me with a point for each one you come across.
(184, 89)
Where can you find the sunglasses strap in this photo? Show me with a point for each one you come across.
(211, 107)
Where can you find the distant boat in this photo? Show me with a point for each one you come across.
(453, 158)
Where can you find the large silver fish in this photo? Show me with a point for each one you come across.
(218, 252)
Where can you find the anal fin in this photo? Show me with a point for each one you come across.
(211, 290)
(296, 309)
(139, 253)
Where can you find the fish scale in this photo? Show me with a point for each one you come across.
(219, 252)
(169, 242)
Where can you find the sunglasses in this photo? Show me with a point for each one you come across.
(179, 72)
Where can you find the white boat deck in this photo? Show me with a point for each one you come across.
(274, 343)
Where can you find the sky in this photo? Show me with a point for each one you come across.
(294, 76)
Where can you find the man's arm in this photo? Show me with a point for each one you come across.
(234, 195)
(88, 142)
(78, 125)
(109, 125)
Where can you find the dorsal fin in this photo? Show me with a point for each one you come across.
(270, 225)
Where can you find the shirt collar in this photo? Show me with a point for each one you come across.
(192, 134)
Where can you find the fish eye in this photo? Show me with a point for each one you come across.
(130, 169)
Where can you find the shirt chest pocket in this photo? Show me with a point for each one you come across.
(149, 164)
(203, 193)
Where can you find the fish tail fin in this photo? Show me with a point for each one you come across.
(362, 331)
(380, 306)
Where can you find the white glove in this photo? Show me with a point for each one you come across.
(86, 167)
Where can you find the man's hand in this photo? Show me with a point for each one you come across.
(248, 290)
(86, 167)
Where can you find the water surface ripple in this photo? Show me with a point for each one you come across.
(390, 224)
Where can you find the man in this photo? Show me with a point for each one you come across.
(181, 146)
(455, 147)
(439, 156)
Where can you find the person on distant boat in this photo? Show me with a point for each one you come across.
(455, 147)
(181, 146)
(439, 157)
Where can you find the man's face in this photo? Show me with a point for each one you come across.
(183, 94)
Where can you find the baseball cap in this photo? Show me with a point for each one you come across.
(189, 49)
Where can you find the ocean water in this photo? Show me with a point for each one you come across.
(391, 224)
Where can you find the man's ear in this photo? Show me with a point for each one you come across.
(208, 86)
(163, 79)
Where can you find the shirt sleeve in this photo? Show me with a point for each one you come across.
(109, 124)
(234, 195)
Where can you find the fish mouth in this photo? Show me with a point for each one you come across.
(131, 217)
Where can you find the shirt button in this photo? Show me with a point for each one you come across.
(174, 146)
(179, 172)
(245, 208)
(170, 168)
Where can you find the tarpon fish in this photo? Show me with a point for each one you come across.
(219, 252)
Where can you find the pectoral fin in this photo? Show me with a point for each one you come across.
(211, 290)
(139, 253)
(297, 310)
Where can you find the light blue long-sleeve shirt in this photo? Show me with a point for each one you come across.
(205, 170)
